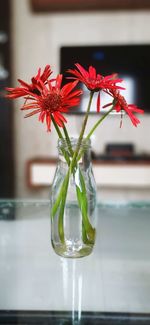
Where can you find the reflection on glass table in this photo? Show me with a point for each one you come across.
(111, 286)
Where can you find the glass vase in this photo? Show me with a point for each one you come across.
(73, 201)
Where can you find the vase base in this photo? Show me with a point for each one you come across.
(72, 251)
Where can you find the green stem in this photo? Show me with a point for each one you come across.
(83, 202)
(98, 123)
(68, 140)
(63, 192)
(59, 197)
(82, 133)
(94, 128)
(57, 128)
(82, 196)
(61, 212)
(65, 154)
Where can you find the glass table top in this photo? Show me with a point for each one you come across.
(110, 286)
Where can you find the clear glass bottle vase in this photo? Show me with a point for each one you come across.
(73, 202)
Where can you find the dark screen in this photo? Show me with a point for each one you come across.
(130, 62)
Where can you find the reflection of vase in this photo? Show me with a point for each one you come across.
(73, 202)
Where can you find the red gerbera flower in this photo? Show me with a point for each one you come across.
(25, 87)
(95, 82)
(121, 104)
(52, 101)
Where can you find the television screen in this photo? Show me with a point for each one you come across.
(130, 62)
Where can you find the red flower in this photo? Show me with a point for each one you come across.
(121, 104)
(33, 87)
(52, 101)
(95, 82)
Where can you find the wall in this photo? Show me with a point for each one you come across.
(36, 40)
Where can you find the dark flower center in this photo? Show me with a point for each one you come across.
(94, 84)
(120, 99)
(52, 102)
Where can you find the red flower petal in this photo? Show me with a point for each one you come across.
(68, 88)
(42, 116)
(48, 122)
(58, 81)
(57, 119)
(23, 83)
(92, 73)
(98, 102)
(83, 72)
(109, 104)
(33, 113)
(46, 97)
(95, 82)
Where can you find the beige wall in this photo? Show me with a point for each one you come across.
(36, 39)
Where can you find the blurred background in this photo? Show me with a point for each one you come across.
(36, 33)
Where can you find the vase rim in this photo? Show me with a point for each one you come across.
(85, 143)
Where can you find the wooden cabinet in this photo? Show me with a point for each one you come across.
(69, 5)
(40, 173)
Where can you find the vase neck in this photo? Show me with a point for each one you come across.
(66, 150)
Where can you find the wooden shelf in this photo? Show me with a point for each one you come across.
(40, 173)
(69, 5)
(122, 162)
